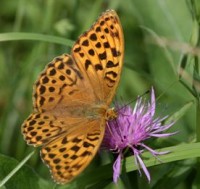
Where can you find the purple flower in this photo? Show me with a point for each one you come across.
(130, 129)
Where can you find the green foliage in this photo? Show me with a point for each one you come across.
(25, 177)
(162, 50)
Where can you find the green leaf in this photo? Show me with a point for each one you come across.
(177, 153)
(181, 112)
(34, 36)
(24, 178)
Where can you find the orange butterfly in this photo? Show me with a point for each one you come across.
(72, 98)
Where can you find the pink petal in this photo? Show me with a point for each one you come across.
(146, 172)
(117, 168)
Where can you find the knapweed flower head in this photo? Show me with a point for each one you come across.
(131, 129)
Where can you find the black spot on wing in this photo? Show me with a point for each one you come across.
(103, 56)
(93, 37)
(98, 67)
(87, 63)
(110, 64)
(85, 43)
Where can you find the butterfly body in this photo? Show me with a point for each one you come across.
(71, 99)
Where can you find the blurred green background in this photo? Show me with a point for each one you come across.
(146, 64)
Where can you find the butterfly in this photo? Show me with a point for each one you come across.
(71, 99)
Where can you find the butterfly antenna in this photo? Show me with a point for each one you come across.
(125, 105)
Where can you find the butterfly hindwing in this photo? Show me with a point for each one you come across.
(68, 155)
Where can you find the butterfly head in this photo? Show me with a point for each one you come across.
(111, 114)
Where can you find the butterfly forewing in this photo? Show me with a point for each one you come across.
(72, 96)
(62, 84)
(99, 53)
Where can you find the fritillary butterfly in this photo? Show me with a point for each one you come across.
(72, 98)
